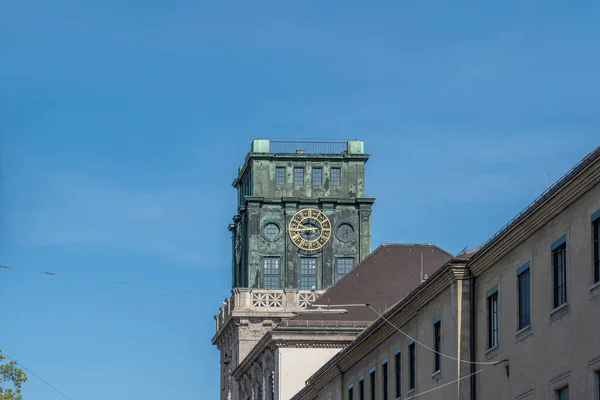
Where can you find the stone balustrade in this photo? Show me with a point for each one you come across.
(264, 300)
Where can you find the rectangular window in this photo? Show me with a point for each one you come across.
(493, 318)
(298, 176)
(350, 392)
(596, 245)
(308, 273)
(437, 344)
(559, 263)
(361, 388)
(384, 382)
(524, 296)
(373, 383)
(271, 272)
(343, 266)
(398, 374)
(280, 175)
(563, 394)
(412, 381)
(336, 177)
(317, 176)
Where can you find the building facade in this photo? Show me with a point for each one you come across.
(294, 349)
(303, 222)
(517, 318)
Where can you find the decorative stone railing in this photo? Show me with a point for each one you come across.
(264, 300)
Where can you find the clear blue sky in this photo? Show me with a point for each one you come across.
(122, 125)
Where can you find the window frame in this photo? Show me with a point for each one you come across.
(298, 176)
(596, 247)
(492, 322)
(398, 372)
(338, 181)
(385, 379)
(559, 272)
(279, 182)
(373, 383)
(522, 272)
(301, 275)
(412, 365)
(339, 275)
(265, 274)
(361, 388)
(320, 176)
(559, 391)
(437, 344)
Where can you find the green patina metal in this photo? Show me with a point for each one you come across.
(261, 200)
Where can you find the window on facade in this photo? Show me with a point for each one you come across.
(351, 392)
(373, 383)
(398, 374)
(361, 388)
(336, 177)
(317, 176)
(271, 272)
(343, 266)
(298, 176)
(280, 175)
(524, 296)
(271, 231)
(272, 386)
(596, 244)
(384, 382)
(559, 263)
(345, 232)
(563, 394)
(308, 273)
(412, 359)
(493, 318)
(437, 345)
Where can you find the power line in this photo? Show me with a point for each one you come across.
(113, 282)
(444, 385)
(37, 376)
(429, 348)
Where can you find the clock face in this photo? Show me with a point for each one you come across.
(310, 229)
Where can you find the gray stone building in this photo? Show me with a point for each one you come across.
(517, 318)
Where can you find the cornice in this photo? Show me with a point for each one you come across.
(538, 216)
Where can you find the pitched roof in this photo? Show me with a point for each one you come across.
(382, 279)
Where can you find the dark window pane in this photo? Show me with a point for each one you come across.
(563, 394)
(336, 177)
(524, 300)
(560, 275)
(373, 391)
(361, 390)
(437, 337)
(308, 273)
(351, 393)
(412, 366)
(298, 176)
(271, 272)
(597, 250)
(397, 361)
(317, 176)
(280, 175)
(384, 371)
(493, 320)
(343, 266)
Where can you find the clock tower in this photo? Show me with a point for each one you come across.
(302, 223)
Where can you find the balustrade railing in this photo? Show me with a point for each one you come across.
(264, 300)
